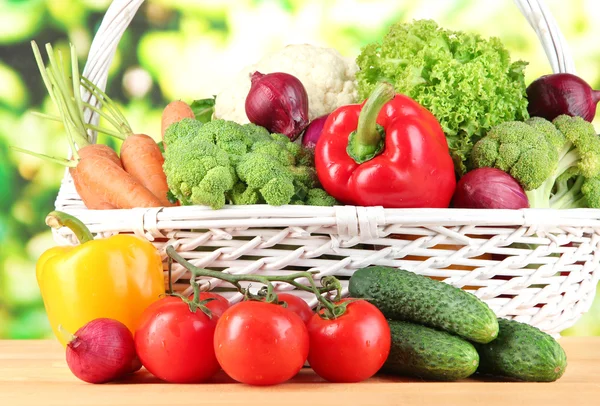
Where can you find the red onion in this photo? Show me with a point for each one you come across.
(279, 102)
(489, 188)
(313, 132)
(562, 93)
(101, 351)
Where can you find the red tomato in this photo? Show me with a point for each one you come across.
(261, 343)
(297, 305)
(176, 345)
(352, 347)
(217, 306)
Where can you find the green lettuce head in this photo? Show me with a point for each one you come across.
(469, 83)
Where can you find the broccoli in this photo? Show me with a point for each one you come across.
(185, 128)
(222, 162)
(198, 172)
(557, 163)
(518, 149)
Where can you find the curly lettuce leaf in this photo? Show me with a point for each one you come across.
(467, 82)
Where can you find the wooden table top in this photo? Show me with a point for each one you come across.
(35, 373)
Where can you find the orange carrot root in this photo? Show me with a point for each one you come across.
(173, 113)
(108, 182)
(89, 198)
(142, 159)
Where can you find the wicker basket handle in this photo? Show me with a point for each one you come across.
(121, 12)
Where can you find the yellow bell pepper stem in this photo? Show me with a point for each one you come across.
(116, 277)
(58, 219)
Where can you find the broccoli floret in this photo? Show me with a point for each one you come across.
(198, 172)
(186, 128)
(256, 133)
(224, 162)
(557, 163)
(319, 197)
(518, 149)
(241, 194)
(227, 135)
(575, 181)
(265, 174)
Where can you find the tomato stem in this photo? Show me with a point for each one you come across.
(328, 283)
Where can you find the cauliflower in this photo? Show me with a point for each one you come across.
(328, 77)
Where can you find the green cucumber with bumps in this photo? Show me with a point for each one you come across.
(429, 354)
(522, 352)
(405, 296)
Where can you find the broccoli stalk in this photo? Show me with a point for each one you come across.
(557, 163)
(573, 183)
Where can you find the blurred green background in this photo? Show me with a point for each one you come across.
(189, 49)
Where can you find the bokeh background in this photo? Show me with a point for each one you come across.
(189, 49)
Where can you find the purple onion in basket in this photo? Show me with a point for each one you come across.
(489, 188)
(313, 132)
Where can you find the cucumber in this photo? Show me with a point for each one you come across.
(522, 352)
(406, 296)
(429, 354)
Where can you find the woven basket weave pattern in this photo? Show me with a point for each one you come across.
(536, 266)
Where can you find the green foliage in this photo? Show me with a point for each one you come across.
(469, 83)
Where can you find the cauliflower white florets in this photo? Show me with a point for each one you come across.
(327, 76)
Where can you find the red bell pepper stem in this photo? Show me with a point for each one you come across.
(367, 141)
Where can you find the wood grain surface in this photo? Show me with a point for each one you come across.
(35, 373)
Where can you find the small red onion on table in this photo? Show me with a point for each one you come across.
(562, 93)
(101, 351)
(489, 188)
(279, 102)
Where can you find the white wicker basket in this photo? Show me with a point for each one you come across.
(548, 284)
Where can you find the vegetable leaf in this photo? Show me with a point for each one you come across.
(203, 109)
(469, 83)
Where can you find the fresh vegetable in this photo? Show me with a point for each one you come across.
(522, 352)
(222, 162)
(115, 277)
(204, 109)
(260, 343)
(140, 154)
(101, 182)
(406, 296)
(101, 351)
(489, 188)
(278, 102)
(351, 347)
(469, 83)
(556, 94)
(313, 132)
(557, 163)
(216, 303)
(427, 353)
(175, 341)
(297, 305)
(388, 152)
(174, 112)
(327, 76)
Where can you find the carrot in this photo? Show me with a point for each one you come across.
(109, 183)
(97, 172)
(142, 159)
(140, 154)
(88, 197)
(173, 113)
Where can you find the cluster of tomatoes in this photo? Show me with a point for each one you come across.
(260, 343)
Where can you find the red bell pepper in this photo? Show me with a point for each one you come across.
(387, 151)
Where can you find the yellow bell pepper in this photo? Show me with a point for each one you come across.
(117, 277)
